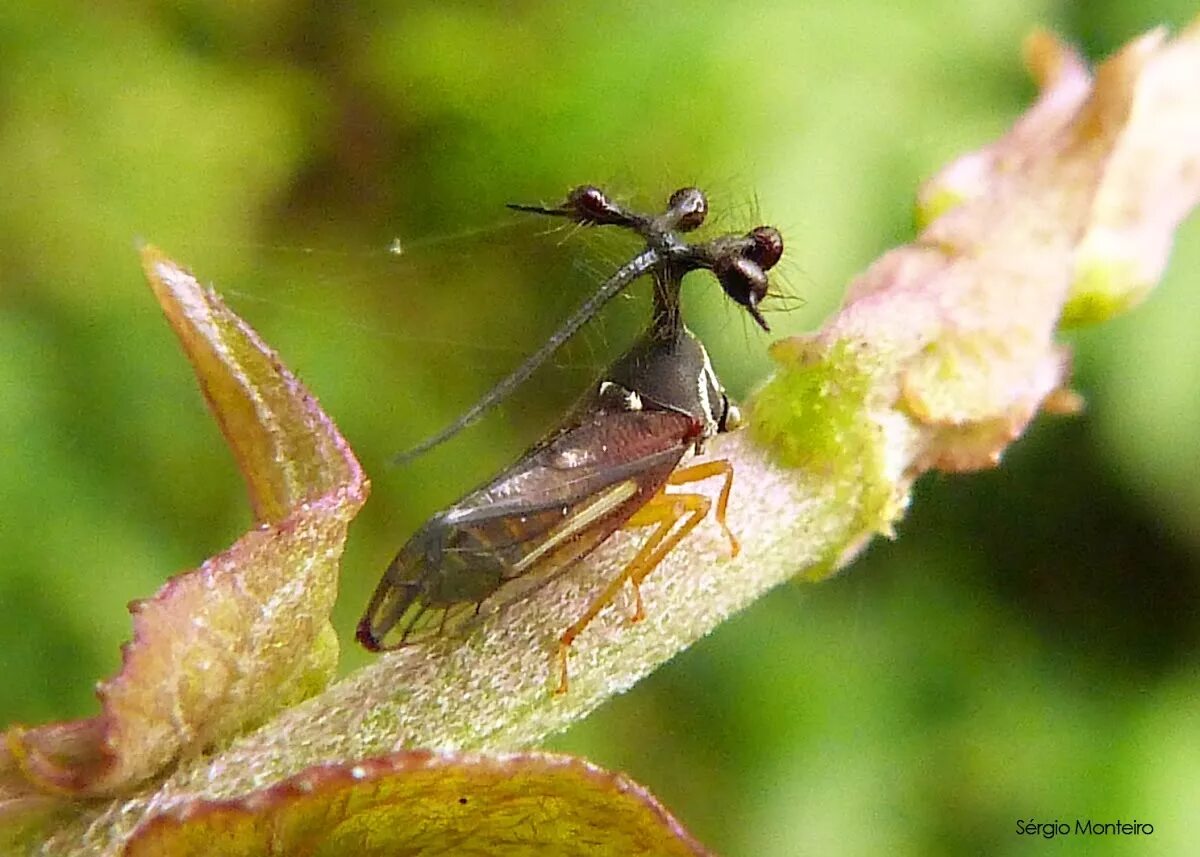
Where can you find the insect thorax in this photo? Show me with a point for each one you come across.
(668, 371)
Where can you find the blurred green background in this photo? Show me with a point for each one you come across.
(1026, 649)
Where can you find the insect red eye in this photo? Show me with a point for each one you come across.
(689, 205)
(767, 248)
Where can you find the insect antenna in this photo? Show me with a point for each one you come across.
(739, 263)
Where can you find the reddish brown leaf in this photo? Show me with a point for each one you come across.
(427, 803)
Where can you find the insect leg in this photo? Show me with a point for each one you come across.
(707, 470)
(665, 511)
(696, 507)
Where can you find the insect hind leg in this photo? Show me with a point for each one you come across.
(664, 512)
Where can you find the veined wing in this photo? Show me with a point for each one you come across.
(508, 538)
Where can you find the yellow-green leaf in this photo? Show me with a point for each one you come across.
(427, 803)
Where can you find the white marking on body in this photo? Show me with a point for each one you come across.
(706, 377)
(571, 458)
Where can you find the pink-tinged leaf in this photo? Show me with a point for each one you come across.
(948, 342)
(223, 647)
(427, 803)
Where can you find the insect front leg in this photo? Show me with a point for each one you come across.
(707, 470)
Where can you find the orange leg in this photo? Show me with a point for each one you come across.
(696, 506)
(707, 470)
(663, 511)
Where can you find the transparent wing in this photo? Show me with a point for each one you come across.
(508, 538)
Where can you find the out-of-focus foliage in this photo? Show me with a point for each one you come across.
(1026, 650)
